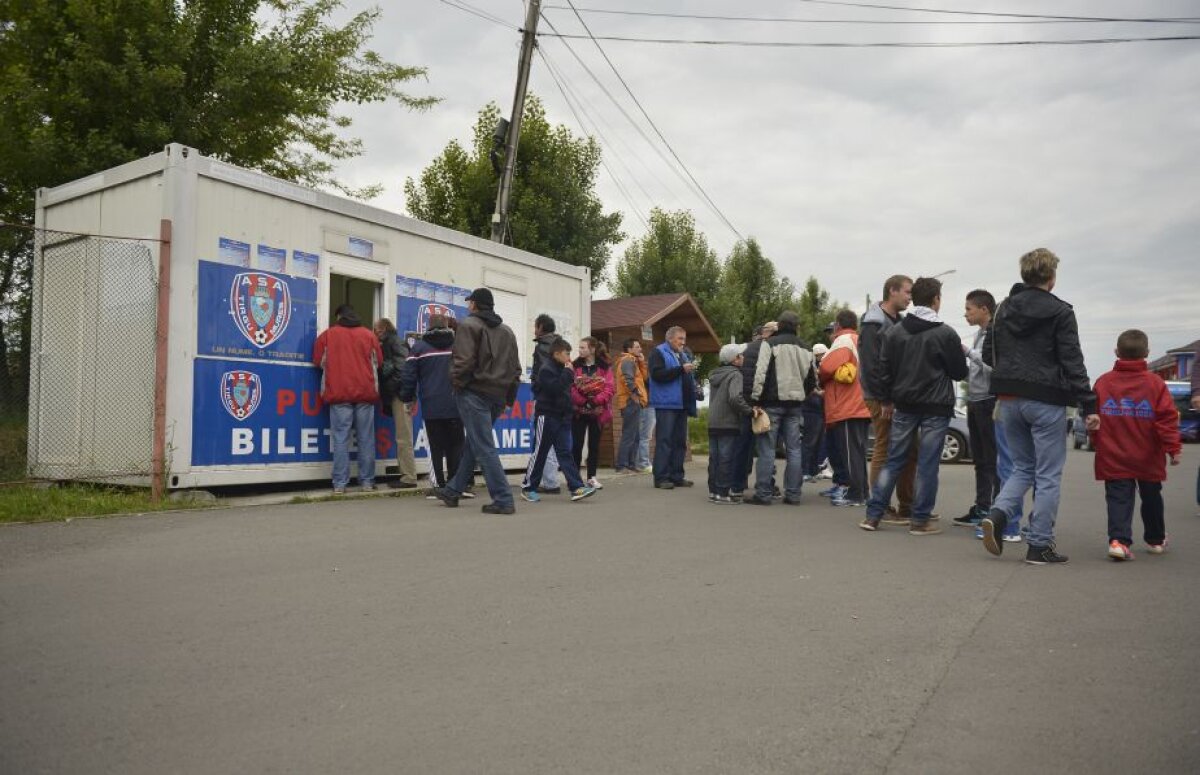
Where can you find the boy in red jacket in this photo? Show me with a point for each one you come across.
(1139, 425)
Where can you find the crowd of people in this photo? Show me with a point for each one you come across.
(894, 372)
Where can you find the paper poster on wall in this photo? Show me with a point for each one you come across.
(255, 314)
(233, 252)
(258, 413)
(305, 264)
(272, 259)
(361, 248)
(417, 300)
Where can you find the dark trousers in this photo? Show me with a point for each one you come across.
(849, 439)
(837, 455)
(982, 429)
(670, 444)
(814, 441)
(589, 427)
(445, 439)
(631, 421)
(551, 433)
(1118, 494)
(743, 458)
(721, 449)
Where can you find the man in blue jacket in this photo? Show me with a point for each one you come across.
(673, 398)
(426, 376)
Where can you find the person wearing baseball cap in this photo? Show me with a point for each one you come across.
(484, 373)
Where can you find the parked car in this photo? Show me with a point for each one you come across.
(957, 448)
(1189, 418)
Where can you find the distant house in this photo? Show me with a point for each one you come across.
(647, 318)
(1176, 364)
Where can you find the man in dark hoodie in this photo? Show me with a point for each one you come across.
(1037, 372)
(484, 373)
(919, 362)
(426, 378)
(779, 372)
(545, 334)
(897, 294)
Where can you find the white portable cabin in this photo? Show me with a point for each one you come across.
(246, 270)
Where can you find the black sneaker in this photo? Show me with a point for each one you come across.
(1043, 555)
(446, 497)
(492, 508)
(972, 518)
(665, 485)
(735, 497)
(993, 531)
(550, 490)
(754, 500)
(776, 493)
(399, 484)
(684, 483)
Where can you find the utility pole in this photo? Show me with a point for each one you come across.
(528, 41)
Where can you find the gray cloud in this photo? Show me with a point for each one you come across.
(853, 164)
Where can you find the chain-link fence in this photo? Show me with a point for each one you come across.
(77, 395)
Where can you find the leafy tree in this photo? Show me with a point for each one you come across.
(751, 292)
(816, 310)
(672, 257)
(89, 84)
(553, 208)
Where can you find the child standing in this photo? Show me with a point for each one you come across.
(727, 406)
(552, 425)
(1139, 426)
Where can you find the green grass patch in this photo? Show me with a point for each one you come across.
(25, 503)
(698, 433)
(13, 436)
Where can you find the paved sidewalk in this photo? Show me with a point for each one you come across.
(641, 631)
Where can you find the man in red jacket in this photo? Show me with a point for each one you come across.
(1139, 428)
(349, 356)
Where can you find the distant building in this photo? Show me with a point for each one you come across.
(1177, 363)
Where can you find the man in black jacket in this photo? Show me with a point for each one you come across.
(545, 334)
(920, 359)
(1037, 372)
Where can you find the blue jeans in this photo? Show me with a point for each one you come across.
(790, 421)
(631, 423)
(670, 445)
(362, 417)
(721, 449)
(478, 415)
(1004, 467)
(1037, 441)
(743, 458)
(645, 431)
(905, 430)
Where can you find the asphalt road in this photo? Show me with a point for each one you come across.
(643, 631)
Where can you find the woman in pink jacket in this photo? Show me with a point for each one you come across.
(592, 394)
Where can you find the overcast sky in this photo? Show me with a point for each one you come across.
(851, 164)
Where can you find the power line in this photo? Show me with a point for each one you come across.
(1030, 18)
(654, 126)
(482, 14)
(583, 127)
(883, 44)
(911, 9)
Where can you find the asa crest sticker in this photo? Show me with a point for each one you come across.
(261, 305)
(241, 392)
(426, 311)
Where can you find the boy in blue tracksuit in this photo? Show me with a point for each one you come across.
(552, 425)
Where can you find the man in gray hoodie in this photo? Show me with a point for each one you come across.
(897, 295)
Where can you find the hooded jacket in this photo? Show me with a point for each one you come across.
(726, 401)
(426, 375)
(843, 401)
(552, 391)
(349, 356)
(541, 354)
(1139, 424)
(779, 370)
(874, 325)
(395, 353)
(1034, 351)
(626, 370)
(485, 358)
(919, 362)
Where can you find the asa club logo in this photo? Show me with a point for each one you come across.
(241, 392)
(261, 305)
(426, 311)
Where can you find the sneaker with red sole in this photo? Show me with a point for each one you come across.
(1119, 551)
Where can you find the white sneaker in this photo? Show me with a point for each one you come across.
(595, 483)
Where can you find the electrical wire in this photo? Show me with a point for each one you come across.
(479, 12)
(1032, 19)
(657, 131)
(881, 44)
(912, 9)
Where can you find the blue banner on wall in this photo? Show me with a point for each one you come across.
(418, 300)
(255, 314)
(251, 413)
